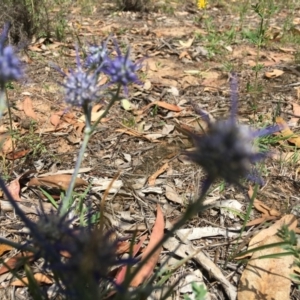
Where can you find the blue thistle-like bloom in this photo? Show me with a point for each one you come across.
(89, 254)
(10, 66)
(81, 86)
(226, 150)
(121, 69)
(97, 56)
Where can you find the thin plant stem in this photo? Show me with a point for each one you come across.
(194, 208)
(11, 130)
(251, 201)
(17, 245)
(4, 91)
(67, 198)
(87, 134)
(110, 104)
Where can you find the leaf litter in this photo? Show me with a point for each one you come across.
(180, 68)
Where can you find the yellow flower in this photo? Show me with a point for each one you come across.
(201, 4)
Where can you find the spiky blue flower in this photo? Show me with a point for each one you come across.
(121, 69)
(10, 66)
(226, 150)
(97, 56)
(90, 254)
(81, 86)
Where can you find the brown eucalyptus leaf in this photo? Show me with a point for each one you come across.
(39, 277)
(156, 235)
(267, 278)
(28, 108)
(61, 181)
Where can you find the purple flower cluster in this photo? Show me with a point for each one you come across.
(226, 150)
(121, 69)
(89, 254)
(81, 85)
(10, 66)
(97, 56)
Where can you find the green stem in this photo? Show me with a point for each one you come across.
(66, 202)
(10, 129)
(110, 104)
(67, 199)
(246, 219)
(191, 211)
(5, 104)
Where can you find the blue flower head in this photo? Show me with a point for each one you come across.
(226, 150)
(81, 86)
(10, 66)
(91, 254)
(121, 69)
(97, 56)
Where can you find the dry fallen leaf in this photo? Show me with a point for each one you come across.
(186, 44)
(16, 261)
(39, 277)
(274, 73)
(184, 54)
(153, 177)
(60, 181)
(122, 272)
(296, 110)
(17, 154)
(172, 195)
(263, 208)
(286, 132)
(28, 109)
(6, 144)
(4, 248)
(55, 119)
(14, 189)
(257, 222)
(165, 105)
(156, 235)
(288, 220)
(267, 278)
(286, 156)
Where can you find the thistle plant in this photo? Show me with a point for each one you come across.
(121, 69)
(225, 151)
(90, 252)
(10, 66)
(10, 70)
(82, 89)
(97, 55)
(79, 258)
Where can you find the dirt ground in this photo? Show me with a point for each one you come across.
(189, 54)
